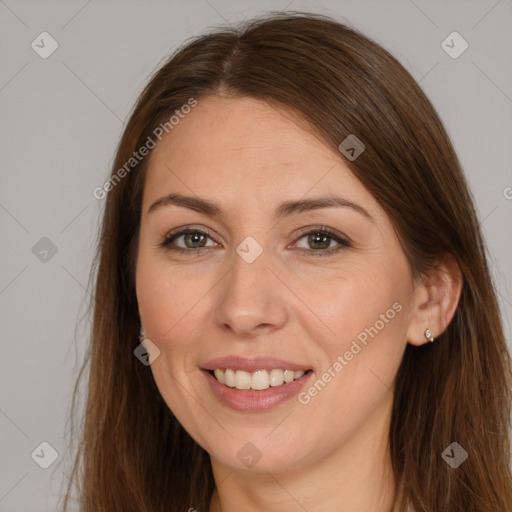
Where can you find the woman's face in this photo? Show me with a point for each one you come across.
(264, 286)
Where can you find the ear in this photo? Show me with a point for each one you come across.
(436, 299)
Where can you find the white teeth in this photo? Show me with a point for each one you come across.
(219, 375)
(258, 380)
(276, 377)
(229, 377)
(242, 380)
(289, 375)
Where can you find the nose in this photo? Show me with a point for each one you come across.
(253, 300)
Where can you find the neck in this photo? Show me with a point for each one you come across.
(357, 476)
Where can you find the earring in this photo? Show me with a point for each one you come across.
(141, 333)
(429, 336)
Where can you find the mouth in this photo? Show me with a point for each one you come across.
(258, 380)
(256, 391)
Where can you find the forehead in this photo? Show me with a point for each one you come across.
(245, 149)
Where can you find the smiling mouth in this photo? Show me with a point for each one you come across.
(258, 380)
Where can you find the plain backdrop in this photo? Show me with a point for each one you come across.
(61, 119)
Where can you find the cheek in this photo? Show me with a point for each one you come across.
(169, 302)
(365, 315)
(170, 310)
(344, 303)
(353, 393)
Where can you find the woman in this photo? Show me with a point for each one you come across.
(293, 308)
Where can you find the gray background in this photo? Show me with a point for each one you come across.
(61, 121)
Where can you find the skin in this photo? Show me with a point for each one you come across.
(333, 452)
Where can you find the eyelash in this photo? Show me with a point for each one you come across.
(343, 243)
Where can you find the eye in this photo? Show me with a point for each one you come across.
(192, 239)
(318, 241)
(321, 238)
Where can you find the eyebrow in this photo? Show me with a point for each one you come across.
(283, 210)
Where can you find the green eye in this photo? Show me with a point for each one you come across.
(195, 240)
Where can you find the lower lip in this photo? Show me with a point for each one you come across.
(255, 401)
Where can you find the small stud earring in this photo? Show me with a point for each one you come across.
(141, 333)
(429, 336)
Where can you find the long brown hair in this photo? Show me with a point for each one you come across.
(133, 454)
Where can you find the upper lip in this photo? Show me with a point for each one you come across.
(252, 364)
